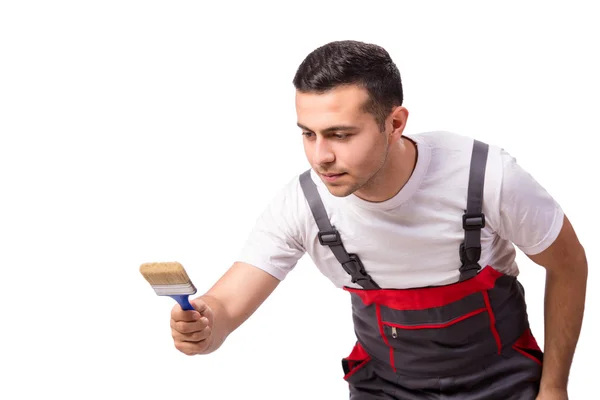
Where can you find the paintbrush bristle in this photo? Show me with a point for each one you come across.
(164, 273)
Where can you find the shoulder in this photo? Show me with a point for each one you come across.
(449, 151)
(450, 156)
(530, 216)
(450, 164)
(443, 140)
(287, 208)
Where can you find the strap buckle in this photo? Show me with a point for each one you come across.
(472, 222)
(329, 238)
(469, 256)
(356, 269)
(358, 273)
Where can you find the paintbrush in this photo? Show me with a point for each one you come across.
(169, 279)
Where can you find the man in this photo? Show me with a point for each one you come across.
(421, 230)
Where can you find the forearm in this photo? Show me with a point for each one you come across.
(563, 314)
(234, 298)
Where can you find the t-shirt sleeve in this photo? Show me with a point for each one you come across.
(275, 242)
(529, 216)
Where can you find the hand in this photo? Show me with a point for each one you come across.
(191, 330)
(552, 394)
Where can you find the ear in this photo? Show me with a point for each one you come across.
(398, 119)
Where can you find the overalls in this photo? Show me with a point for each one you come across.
(469, 340)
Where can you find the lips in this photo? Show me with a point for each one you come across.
(332, 177)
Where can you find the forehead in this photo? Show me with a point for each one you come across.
(340, 103)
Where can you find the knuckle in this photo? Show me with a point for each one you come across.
(207, 331)
(176, 312)
(197, 336)
(181, 326)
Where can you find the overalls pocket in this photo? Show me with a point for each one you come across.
(527, 346)
(440, 340)
(355, 364)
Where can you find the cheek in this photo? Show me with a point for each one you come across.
(307, 150)
(366, 155)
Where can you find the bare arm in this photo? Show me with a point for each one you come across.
(566, 278)
(235, 297)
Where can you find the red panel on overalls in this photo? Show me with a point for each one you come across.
(467, 340)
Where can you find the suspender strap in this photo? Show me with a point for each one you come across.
(329, 236)
(473, 218)
(473, 221)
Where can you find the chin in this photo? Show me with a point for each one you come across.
(339, 190)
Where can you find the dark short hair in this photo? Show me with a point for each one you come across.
(351, 62)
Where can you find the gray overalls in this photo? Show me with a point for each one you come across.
(469, 340)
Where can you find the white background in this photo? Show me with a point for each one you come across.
(136, 131)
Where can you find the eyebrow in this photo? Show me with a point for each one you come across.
(332, 129)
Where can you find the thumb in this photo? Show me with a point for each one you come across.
(200, 306)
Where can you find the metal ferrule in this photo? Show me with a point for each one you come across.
(167, 290)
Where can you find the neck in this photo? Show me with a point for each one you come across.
(393, 175)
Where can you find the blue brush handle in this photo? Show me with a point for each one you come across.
(183, 301)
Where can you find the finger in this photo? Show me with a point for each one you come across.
(191, 349)
(184, 315)
(194, 337)
(189, 327)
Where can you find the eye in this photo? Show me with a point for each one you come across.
(341, 136)
(307, 134)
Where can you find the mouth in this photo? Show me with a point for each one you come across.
(332, 177)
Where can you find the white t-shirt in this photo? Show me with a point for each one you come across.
(412, 239)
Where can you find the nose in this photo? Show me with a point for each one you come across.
(323, 153)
